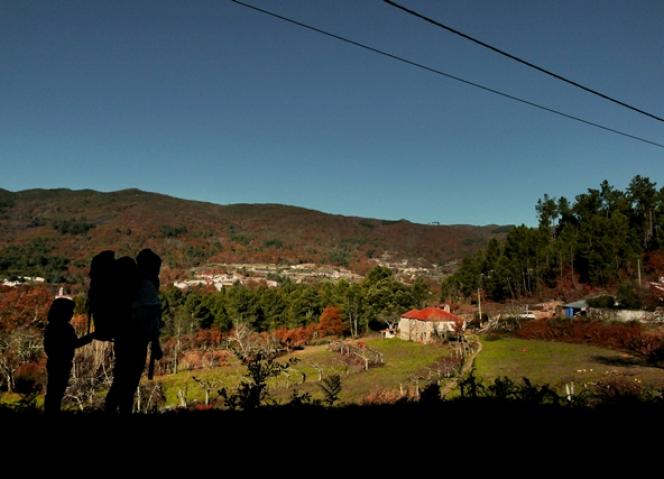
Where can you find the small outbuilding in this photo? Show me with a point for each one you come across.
(576, 308)
(429, 324)
(388, 333)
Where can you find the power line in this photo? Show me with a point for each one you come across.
(447, 75)
(522, 61)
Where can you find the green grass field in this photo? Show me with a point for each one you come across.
(556, 364)
(404, 362)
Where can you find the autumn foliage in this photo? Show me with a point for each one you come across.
(295, 337)
(331, 322)
(23, 306)
(629, 336)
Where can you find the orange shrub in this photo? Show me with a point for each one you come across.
(331, 322)
(295, 337)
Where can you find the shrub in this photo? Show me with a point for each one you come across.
(273, 243)
(295, 337)
(168, 231)
(28, 383)
(612, 335)
(72, 227)
(331, 387)
(252, 391)
(331, 322)
(617, 391)
(431, 395)
(631, 296)
(604, 301)
(381, 396)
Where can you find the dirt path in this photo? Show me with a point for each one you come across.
(467, 366)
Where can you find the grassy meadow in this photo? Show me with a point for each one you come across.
(556, 364)
(404, 363)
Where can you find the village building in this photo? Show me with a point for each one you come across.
(658, 287)
(429, 324)
(21, 280)
(388, 333)
(577, 308)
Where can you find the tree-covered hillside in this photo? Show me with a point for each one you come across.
(43, 227)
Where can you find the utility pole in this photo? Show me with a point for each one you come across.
(479, 297)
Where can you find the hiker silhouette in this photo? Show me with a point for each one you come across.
(136, 311)
(60, 343)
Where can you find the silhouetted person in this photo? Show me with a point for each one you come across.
(138, 311)
(60, 343)
(147, 306)
(125, 282)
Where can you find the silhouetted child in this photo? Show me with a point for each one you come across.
(147, 306)
(60, 342)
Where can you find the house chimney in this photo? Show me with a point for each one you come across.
(446, 308)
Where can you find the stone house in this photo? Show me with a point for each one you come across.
(429, 324)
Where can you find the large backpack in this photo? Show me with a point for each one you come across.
(100, 296)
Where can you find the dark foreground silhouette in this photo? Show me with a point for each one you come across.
(467, 435)
(526, 417)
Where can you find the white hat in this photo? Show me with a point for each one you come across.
(61, 294)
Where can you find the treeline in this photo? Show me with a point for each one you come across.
(600, 239)
(373, 302)
(34, 258)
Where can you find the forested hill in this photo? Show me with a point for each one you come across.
(51, 232)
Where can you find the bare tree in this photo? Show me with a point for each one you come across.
(208, 386)
(241, 338)
(91, 373)
(150, 397)
(182, 396)
(18, 347)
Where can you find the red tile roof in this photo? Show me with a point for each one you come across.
(431, 314)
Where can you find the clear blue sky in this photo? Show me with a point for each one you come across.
(208, 100)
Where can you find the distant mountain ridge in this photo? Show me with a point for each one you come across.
(75, 224)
